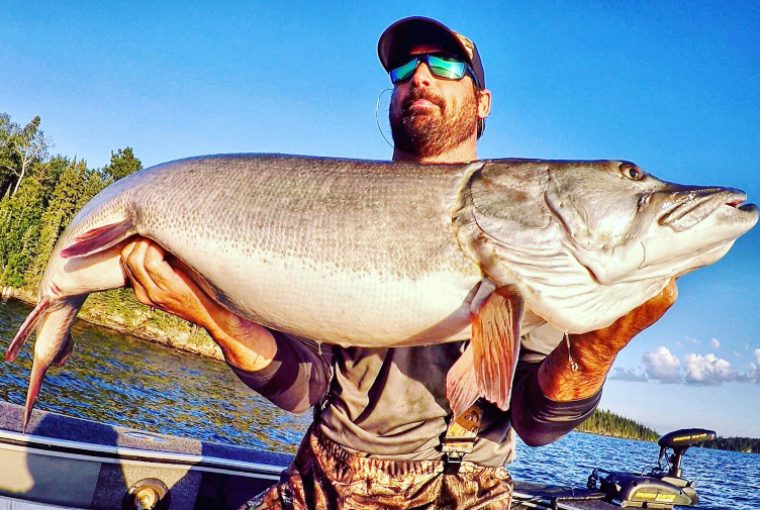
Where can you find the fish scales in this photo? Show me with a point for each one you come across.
(337, 230)
(380, 254)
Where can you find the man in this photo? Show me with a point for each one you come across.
(383, 435)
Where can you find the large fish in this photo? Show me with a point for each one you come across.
(380, 254)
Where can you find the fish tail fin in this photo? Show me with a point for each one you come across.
(66, 349)
(53, 344)
(495, 346)
(29, 325)
(35, 382)
(98, 239)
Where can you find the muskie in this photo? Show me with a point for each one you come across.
(380, 254)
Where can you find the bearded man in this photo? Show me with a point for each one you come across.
(383, 434)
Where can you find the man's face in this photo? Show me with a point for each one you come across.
(431, 115)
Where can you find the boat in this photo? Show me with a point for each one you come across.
(64, 462)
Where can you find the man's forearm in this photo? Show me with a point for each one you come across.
(579, 372)
(244, 344)
(538, 419)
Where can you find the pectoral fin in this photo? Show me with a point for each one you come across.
(487, 366)
(98, 239)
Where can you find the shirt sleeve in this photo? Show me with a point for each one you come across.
(539, 420)
(297, 377)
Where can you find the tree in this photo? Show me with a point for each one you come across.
(21, 147)
(20, 218)
(122, 164)
(61, 208)
(6, 149)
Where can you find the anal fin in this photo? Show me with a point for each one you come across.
(29, 325)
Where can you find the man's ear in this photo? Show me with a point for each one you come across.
(484, 103)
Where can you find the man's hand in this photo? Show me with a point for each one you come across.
(161, 282)
(595, 351)
(160, 285)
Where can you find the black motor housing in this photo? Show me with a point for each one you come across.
(631, 490)
(660, 488)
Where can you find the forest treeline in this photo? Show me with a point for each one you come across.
(737, 444)
(610, 424)
(40, 195)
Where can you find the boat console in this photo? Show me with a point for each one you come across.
(663, 486)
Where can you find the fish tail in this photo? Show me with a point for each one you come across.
(26, 328)
(35, 382)
(53, 344)
(98, 239)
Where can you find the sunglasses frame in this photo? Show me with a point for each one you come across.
(442, 67)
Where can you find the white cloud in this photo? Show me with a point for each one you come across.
(662, 365)
(714, 343)
(708, 369)
(627, 374)
(753, 374)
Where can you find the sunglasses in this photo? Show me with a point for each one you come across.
(446, 68)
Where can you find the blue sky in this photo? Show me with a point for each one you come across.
(673, 86)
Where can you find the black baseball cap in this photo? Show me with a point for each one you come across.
(396, 41)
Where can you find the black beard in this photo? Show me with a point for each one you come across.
(430, 134)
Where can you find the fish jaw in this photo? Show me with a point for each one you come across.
(625, 226)
(683, 230)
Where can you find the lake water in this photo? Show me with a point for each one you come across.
(120, 380)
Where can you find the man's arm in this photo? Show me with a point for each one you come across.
(553, 397)
(595, 351)
(289, 372)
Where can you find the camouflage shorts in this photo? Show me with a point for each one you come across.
(324, 476)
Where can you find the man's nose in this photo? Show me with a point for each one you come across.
(422, 76)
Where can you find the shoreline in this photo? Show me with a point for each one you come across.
(177, 338)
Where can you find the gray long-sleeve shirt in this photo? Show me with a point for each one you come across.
(391, 403)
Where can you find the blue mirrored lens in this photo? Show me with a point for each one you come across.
(449, 69)
(404, 72)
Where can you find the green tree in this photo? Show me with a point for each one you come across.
(61, 207)
(20, 220)
(123, 163)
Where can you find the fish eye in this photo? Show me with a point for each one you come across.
(632, 172)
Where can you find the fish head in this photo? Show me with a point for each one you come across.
(624, 224)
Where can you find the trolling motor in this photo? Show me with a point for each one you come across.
(663, 487)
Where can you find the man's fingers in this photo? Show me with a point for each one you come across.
(670, 292)
(141, 295)
(135, 256)
(157, 267)
(651, 311)
(135, 263)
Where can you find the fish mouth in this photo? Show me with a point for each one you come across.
(691, 207)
